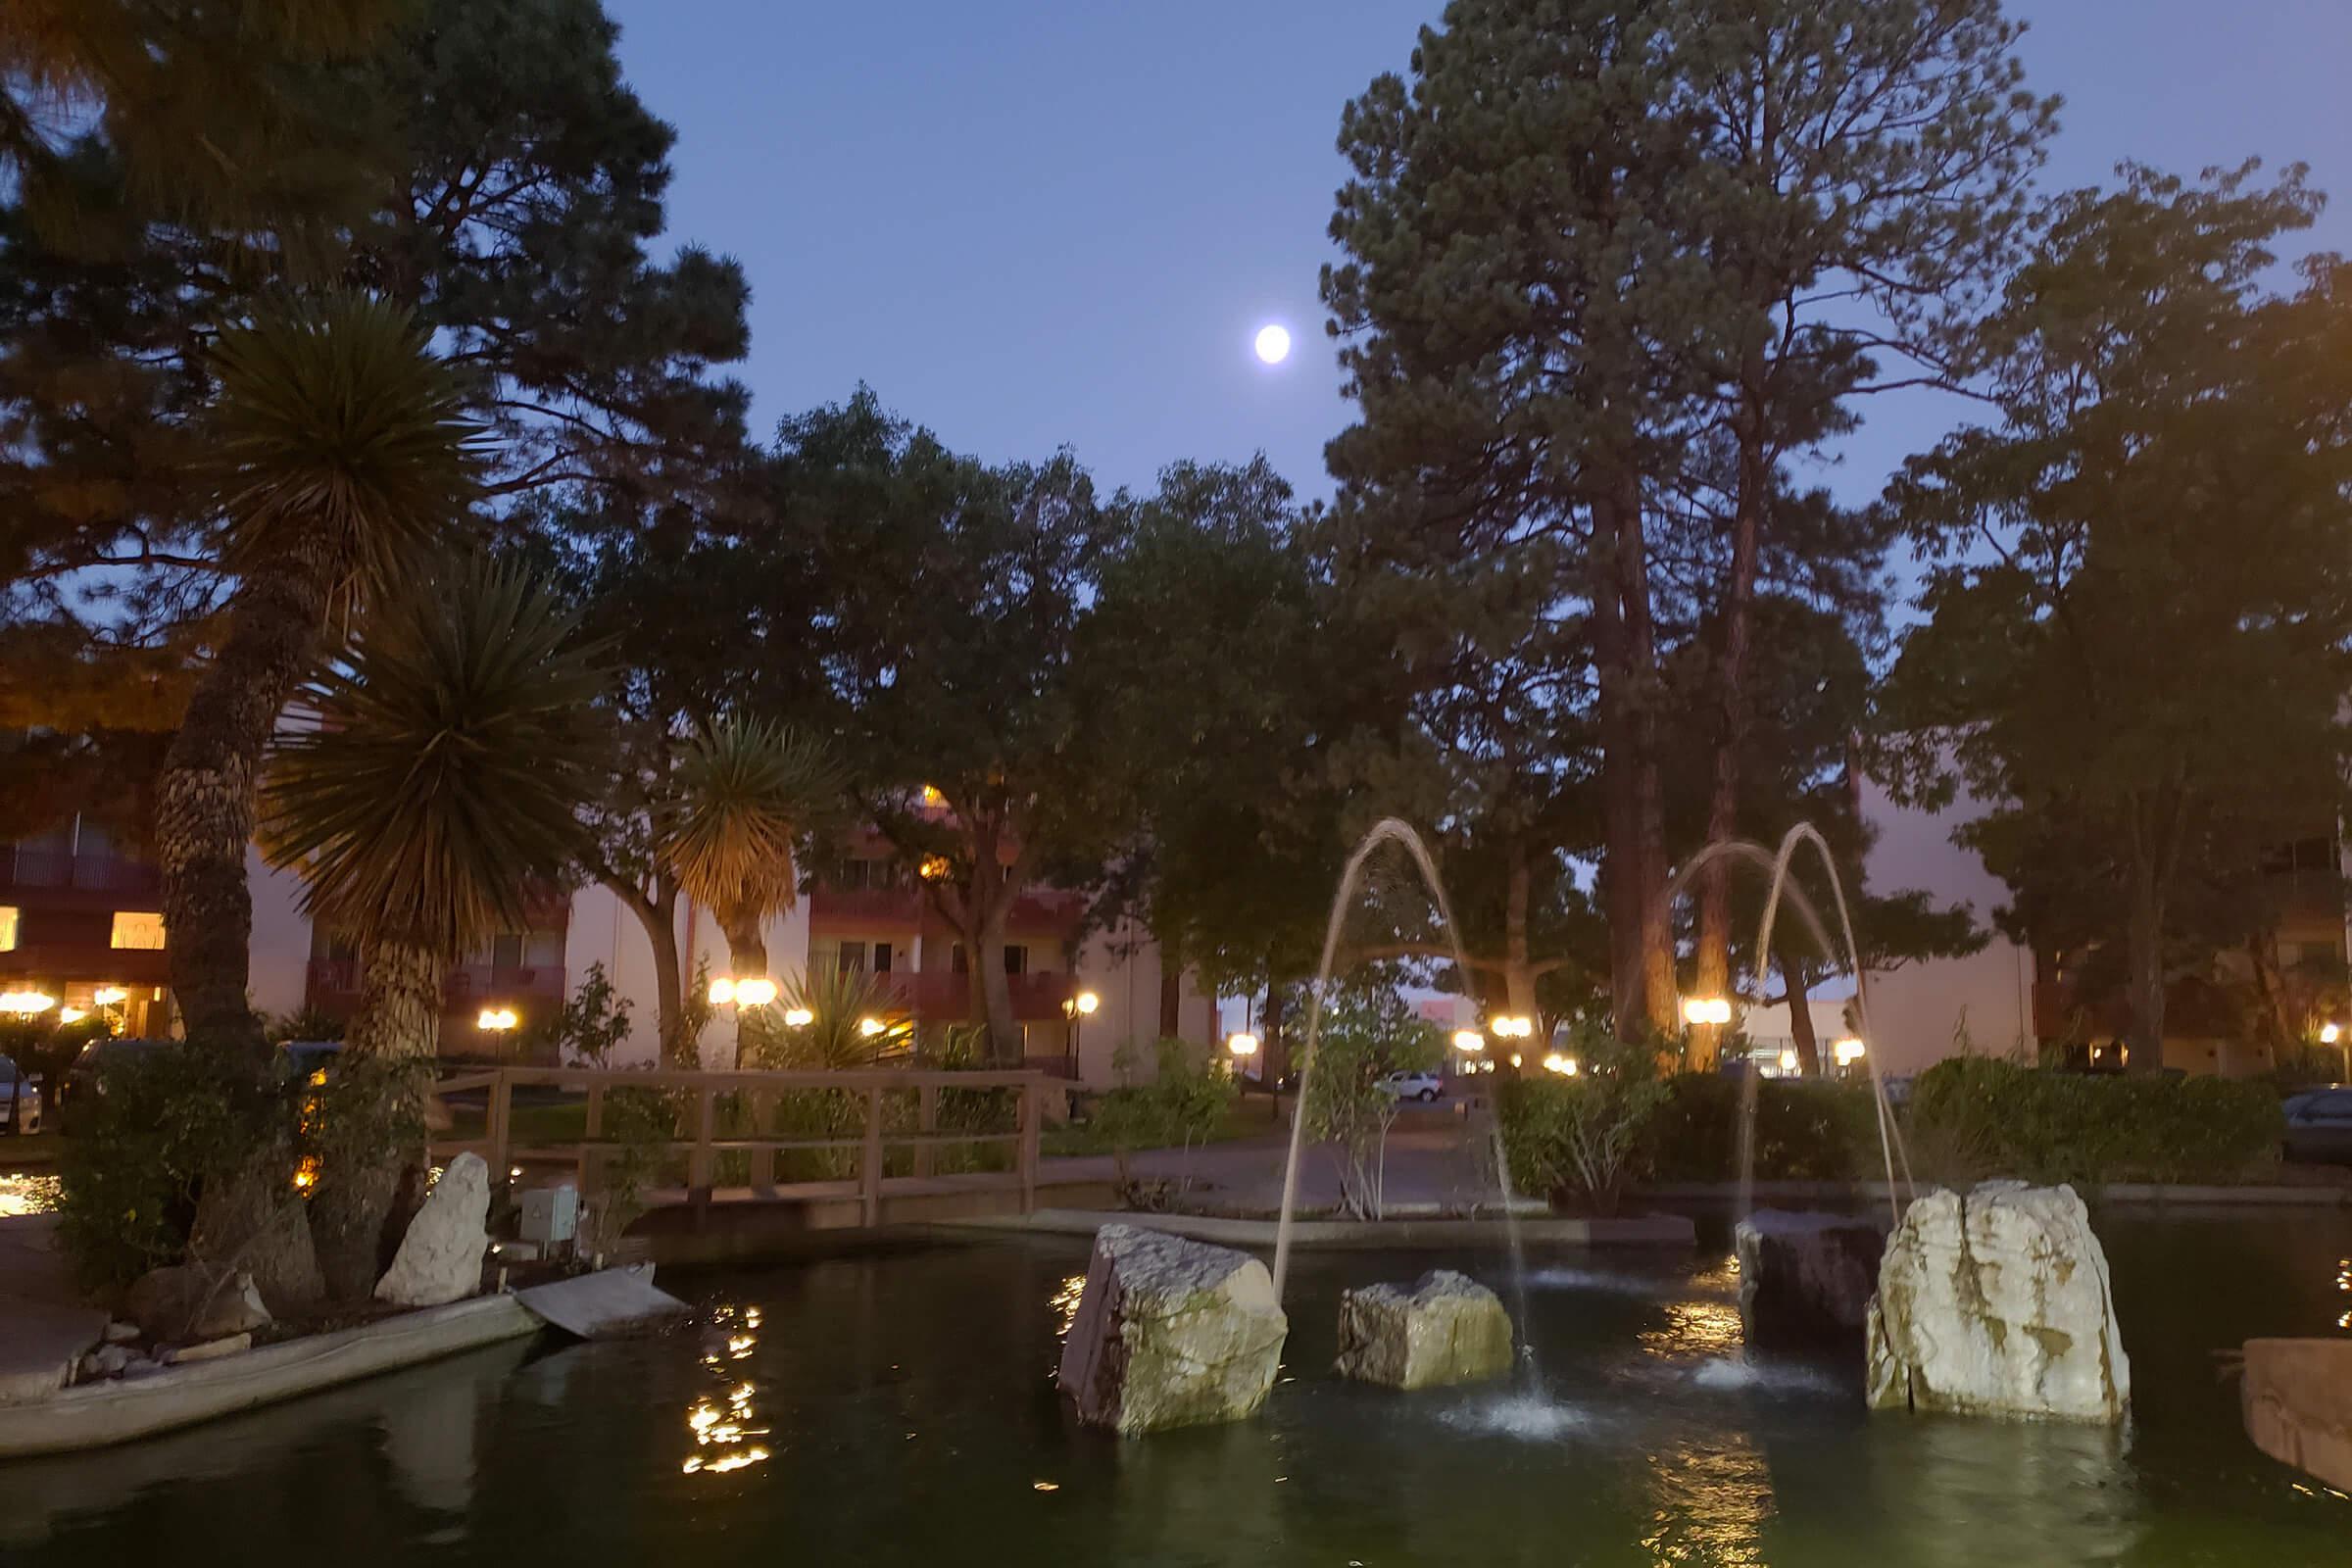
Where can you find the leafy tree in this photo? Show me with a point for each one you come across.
(589, 1027)
(1367, 1031)
(1575, 1140)
(454, 749)
(2137, 600)
(958, 593)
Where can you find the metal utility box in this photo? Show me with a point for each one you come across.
(550, 1215)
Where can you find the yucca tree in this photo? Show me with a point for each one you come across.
(456, 745)
(343, 459)
(747, 792)
(856, 1021)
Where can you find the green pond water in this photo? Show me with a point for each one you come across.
(897, 1407)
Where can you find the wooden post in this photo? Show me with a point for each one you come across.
(594, 1129)
(926, 1124)
(763, 1160)
(501, 1116)
(870, 1164)
(699, 1162)
(1031, 1115)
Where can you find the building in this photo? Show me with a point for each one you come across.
(80, 929)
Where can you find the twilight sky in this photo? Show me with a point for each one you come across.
(1060, 221)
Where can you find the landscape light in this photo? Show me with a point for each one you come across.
(1242, 1045)
(869, 1027)
(798, 1017)
(1469, 1039)
(24, 1003)
(757, 992)
(1088, 1002)
(722, 990)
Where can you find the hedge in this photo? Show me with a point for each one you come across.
(1981, 1116)
(1806, 1130)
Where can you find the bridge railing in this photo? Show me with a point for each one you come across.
(756, 1098)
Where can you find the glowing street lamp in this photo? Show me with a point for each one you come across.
(1088, 1002)
(1787, 1059)
(1469, 1039)
(25, 1004)
(722, 991)
(1704, 1010)
(798, 1017)
(109, 996)
(1565, 1066)
(2329, 1034)
(1848, 1052)
(870, 1026)
(1242, 1045)
(1512, 1026)
(497, 1020)
(757, 992)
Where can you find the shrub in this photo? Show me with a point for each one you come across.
(588, 1028)
(1806, 1130)
(1575, 1139)
(1367, 1032)
(1182, 1104)
(165, 1122)
(2045, 1126)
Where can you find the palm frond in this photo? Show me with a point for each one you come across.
(747, 794)
(453, 750)
(856, 1021)
(340, 436)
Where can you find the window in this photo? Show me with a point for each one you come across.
(1016, 959)
(136, 929)
(7, 927)
(881, 957)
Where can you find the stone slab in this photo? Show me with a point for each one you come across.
(2296, 1395)
(611, 1303)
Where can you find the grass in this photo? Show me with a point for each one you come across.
(29, 1150)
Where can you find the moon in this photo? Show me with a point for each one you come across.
(1273, 343)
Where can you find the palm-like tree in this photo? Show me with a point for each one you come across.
(343, 458)
(747, 794)
(455, 747)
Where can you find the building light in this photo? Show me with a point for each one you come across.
(138, 930)
(1242, 1044)
(24, 1003)
(70, 1015)
(109, 996)
(932, 797)
(932, 868)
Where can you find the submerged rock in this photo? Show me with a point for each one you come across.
(1997, 1304)
(1805, 1279)
(1170, 1333)
(1446, 1329)
(440, 1258)
(193, 1301)
(209, 1350)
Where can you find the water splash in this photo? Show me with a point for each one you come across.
(1389, 830)
(1529, 1417)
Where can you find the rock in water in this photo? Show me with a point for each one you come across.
(1170, 1333)
(1997, 1304)
(1446, 1329)
(440, 1258)
(1805, 1279)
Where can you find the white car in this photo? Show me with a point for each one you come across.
(1424, 1086)
(19, 1102)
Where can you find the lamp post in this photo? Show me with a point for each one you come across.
(1075, 1010)
(1705, 1016)
(741, 992)
(498, 1023)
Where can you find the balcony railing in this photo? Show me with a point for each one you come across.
(944, 996)
(64, 961)
(27, 868)
(465, 984)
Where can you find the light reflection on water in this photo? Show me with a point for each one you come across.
(1064, 1303)
(722, 1424)
(27, 1194)
(1711, 1499)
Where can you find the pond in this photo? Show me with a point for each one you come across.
(896, 1406)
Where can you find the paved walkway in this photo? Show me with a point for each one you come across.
(44, 1326)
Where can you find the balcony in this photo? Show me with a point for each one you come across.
(899, 909)
(942, 996)
(63, 963)
(335, 982)
(26, 867)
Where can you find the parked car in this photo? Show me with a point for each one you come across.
(20, 1100)
(2319, 1126)
(1422, 1086)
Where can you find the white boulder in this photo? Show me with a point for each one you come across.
(1997, 1304)
(1170, 1333)
(1446, 1329)
(440, 1258)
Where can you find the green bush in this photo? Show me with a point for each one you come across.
(2043, 1126)
(1806, 1130)
(167, 1121)
(1183, 1103)
(1576, 1141)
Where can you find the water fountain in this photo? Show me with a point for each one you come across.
(1389, 830)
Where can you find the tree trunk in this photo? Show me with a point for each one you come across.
(1713, 966)
(2270, 983)
(1518, 974)
(1621, 872)
(657, 914)
(205, 799)
(1801, 1018)
(1171, 996)
(995, 991)
(747, 956)
(355, 1219)
(1649, 811)
(1274, 1052)
(2146, 942)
